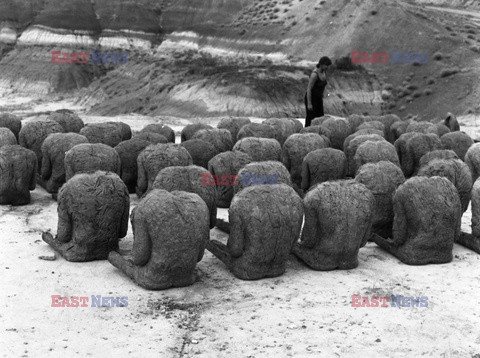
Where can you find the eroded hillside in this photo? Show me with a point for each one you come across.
(192, 84)
(241, 56)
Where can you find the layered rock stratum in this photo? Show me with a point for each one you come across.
(238, 57)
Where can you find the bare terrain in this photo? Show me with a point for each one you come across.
(302, 313)
(249, 58)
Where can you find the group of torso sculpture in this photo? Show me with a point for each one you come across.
(340, 183)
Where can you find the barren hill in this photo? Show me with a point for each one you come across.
(465, 4)
(242, 56)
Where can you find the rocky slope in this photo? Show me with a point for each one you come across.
(160, 36)
(466, 4)
(203, 85)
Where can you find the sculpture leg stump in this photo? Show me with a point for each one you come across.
(223, 225)
(220, 251)
(60, 247)
(123, 265)
(385, 244)
(411, 257)
(384, 231)
(469, 241)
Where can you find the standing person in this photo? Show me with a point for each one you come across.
(314, 94)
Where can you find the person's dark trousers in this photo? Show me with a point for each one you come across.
(316, 112)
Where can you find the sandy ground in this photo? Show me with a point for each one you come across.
(302, 313)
